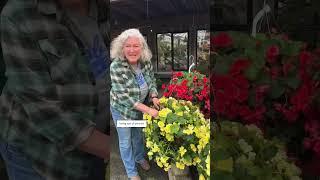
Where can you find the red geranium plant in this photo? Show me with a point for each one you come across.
(272, 82)
(192, 86)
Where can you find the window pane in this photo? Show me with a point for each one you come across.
(164, 52)
(203, 51)
(180, 51)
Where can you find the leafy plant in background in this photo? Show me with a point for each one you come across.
(272, 82)
(241, 152)
(192, 86)
(179, 136)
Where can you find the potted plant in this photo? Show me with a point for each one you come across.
(179, 137)
(272, 82)
(241, 152)
(193, 87)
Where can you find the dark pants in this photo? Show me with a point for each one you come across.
(19, 167)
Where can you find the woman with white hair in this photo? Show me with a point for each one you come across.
(133, 83)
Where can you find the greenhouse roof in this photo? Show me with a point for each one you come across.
(128, 11)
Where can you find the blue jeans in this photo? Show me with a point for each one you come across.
(18, 166)
(130, 143)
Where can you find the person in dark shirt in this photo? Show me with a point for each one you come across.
(48, 106)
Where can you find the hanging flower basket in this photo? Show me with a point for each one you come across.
(241, 152)
(193, 87)
(179, 136)
(272, 82)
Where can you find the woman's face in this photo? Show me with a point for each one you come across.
(132, 50)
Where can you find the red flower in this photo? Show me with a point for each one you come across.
(255, 116)
(272, 53)
(195, 78)
(200, 97)
(163, 86)
(221, 101)
(312, 128)
(205, 80)
(221, 40)
(291, 115)
(244, 111)
(260, 93)
(232, 111)
(184, 82)
(305, 58)
(286, 68)
(241, 81)
(275, 72)
(238, 66)
(302, 97)
(316, 147)
(178, 74)
(307, 143)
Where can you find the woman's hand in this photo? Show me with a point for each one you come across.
(153, 112)
(156, 103)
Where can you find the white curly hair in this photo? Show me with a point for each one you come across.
(116, 51)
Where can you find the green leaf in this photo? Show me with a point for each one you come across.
(175, 128)
(269, 152)
(162, 119)
(256, 57)
(292, 82)
(221, 175)
(251, 73)
(255, 171)
(267, 173)
(290, 48)
(224, 165)
(276, 90)
(181, 120)
(261, 36)
(220, 154)
(222, 141)
(263, 78)
(171, 117)
(242, 40)
(222, 64)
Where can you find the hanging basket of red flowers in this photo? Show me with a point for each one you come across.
(192, 86)
(271, 82)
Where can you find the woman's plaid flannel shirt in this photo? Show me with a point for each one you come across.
(125, 90)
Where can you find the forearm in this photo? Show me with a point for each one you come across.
(141, 107)
(97, 144)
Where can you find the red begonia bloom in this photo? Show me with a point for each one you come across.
(221, 40)
(272, 53)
